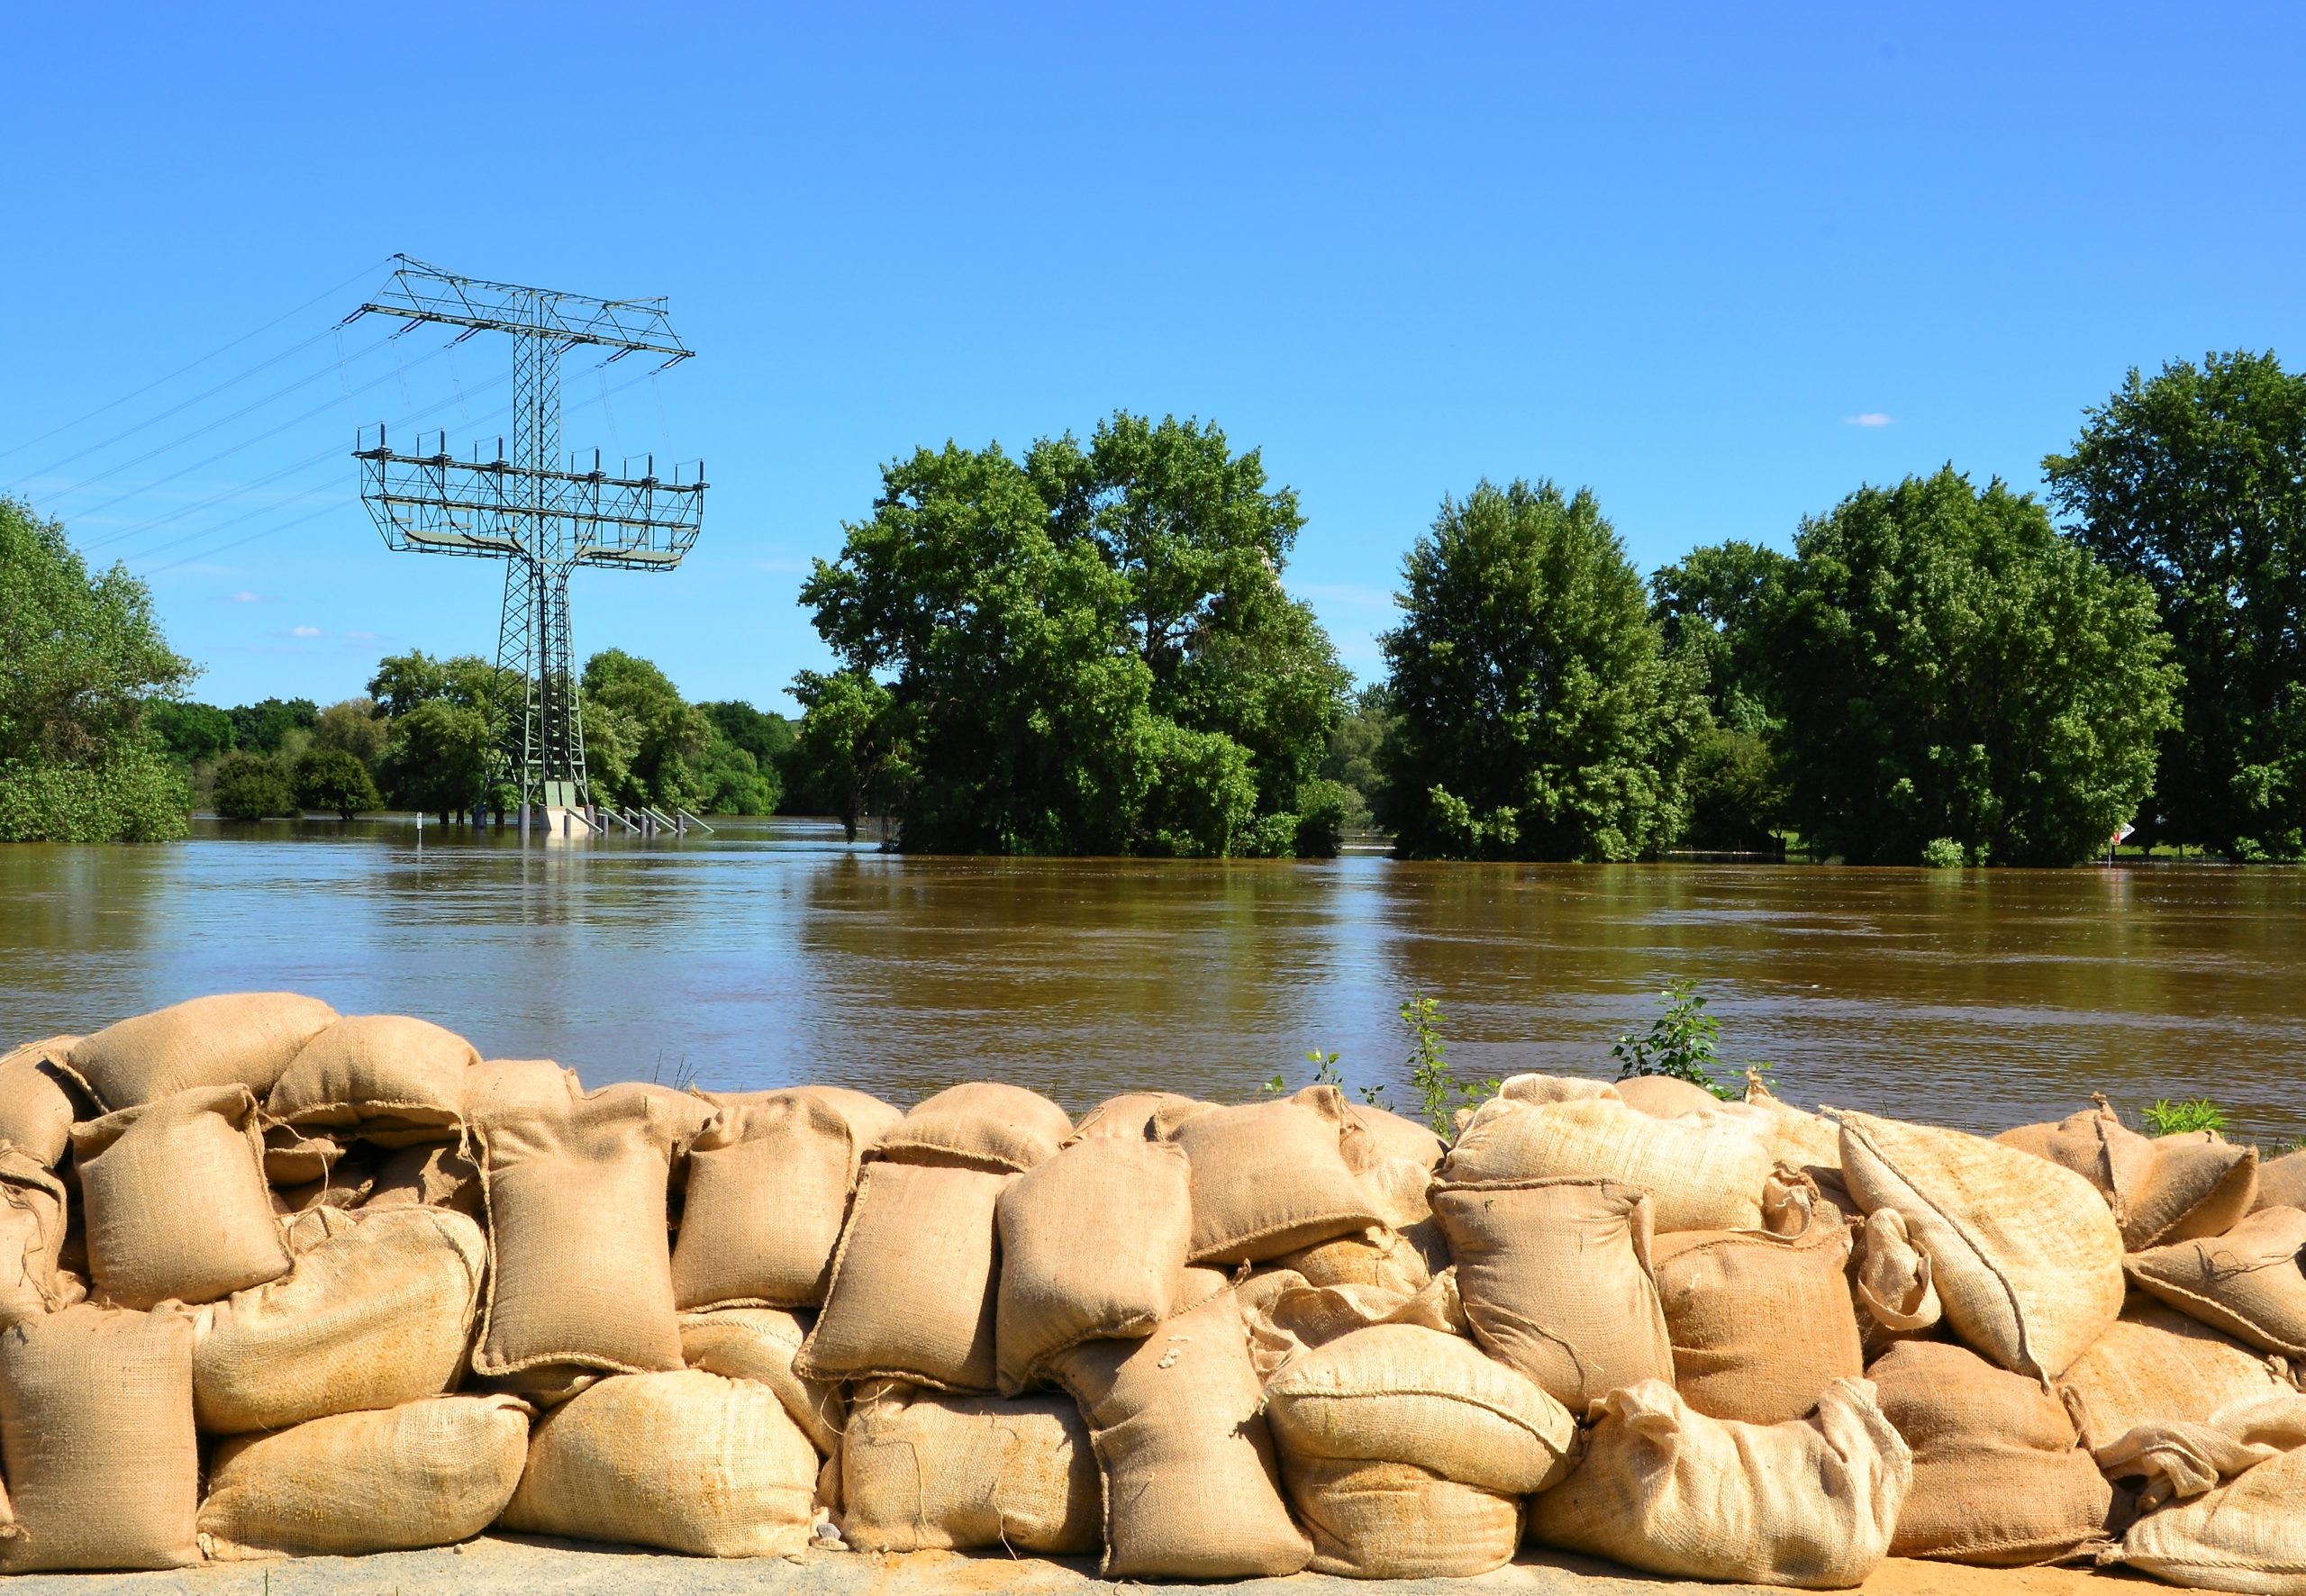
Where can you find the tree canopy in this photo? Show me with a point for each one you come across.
(1706, 607)
(1085, 651)
(2195, 481)
(77, 760)
(1535, 713)
(1947, 666)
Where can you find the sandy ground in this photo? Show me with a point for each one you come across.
(498, 1565)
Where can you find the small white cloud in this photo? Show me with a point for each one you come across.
(304, 631)
(1871, 418)
(245, 597)
(363, 637)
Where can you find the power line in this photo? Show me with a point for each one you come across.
(329, 293)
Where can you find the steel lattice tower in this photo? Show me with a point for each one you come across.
(542, 517)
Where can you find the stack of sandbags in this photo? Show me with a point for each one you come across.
(2161, 1189)
(1406, 1451)
(1701, 1173)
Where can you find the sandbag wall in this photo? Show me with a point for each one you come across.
(280, 1282)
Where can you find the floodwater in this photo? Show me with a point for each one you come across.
(772, 953)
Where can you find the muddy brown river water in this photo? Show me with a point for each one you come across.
(771, 952)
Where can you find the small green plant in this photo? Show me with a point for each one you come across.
(1440, 1091)
(1276, 1087)
(1941, 853)
(1325, 1071)
(2164, 1117)
(1683, 1042)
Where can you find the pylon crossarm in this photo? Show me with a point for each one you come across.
(422, 292)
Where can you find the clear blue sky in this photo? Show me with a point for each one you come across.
(1724, 265)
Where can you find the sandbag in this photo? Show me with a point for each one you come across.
(514, 1088)
(2000, 1477)
(1394, 1260)
(2095, 1145)
(2247, 1282)
(146, 1242)
(923, 1470)
(1191, 1487)
(912, 1296)
(1398, 1521)
(1760, 1324)
(2153, 1364)
(1288, 1316)
(1271, 1177)
(2177, 1458)
(234, 1039)
(2025, 1255)
(2246, 1535)
(96, 1432)
(427, 1473)
(1093, 1244)
(427, 1176)
(1810, 1504)
(41, 1099)
(33, 1221)
(1699, 1177)
(2282, 1182)
(983, 1124)
(1387, 1137)
(760, 1343)
(683, 1460)
(581, 1272)
(378, 1313)
(387, 1078)
(1893, 1282)
(1130, 1116)
(2198, 1185)
(1538, 1088)
(1406, 1393)
(793, 1155)
(1665, 1097)
(1555, 1276)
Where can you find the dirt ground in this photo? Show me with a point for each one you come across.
(504, 1566)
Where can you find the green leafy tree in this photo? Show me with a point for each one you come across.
(264, 727)
(189, 733)
(251, 787)
(765, 736)
(1946, 664)
(852, 743)
(1537, 716)
(668, 733)
(83, 659)
(1707, 606)
(2195, 481)
(403, 681)
(1351, 759)
(436, 757)
(334, 779)
(356, 726)
(732, 781)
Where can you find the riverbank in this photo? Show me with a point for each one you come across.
(508, 1565)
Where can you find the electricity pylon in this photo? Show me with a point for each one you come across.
(542, 517)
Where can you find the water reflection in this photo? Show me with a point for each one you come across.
(771, 952)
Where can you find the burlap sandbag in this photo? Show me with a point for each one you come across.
(1386, 1135)
(581, 1272)
(2175, 1458)
(1287, 1316)
(1271, 1177)
(2000, 1477)
(387, 1078)
(1093, 1244)
(791, 1153)
(912, 1296)
(2155, 1365)
(1891, 1282)
(433, 1177)
(925, 1471)
(1394, 1260)
(2025, 1255)
(1398, 1521)
(175, 1199)
(426, 1473)
(1810, 1504)
(984, 1124)
(40, 1099)
(2198, 1185)
(1665, 1097)
(2246, 1535)
(1537, 1088)
(1191, 1485)
(1761, 1324)
(95, 1427)
(760, 1343)
(684, 1460)
(2249, 1282)
(2096, 1145)
(2282, 1182)
(1130, 1116)
(1555, 1276)
(234, 1039)
(515, 1088)
(1699, 1176)
(33, 1222)
(378, 1313)
(1406, 1393)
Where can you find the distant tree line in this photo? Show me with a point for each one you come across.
(1088, 648)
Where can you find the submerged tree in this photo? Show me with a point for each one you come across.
(1536, 715)
(1707, 606)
